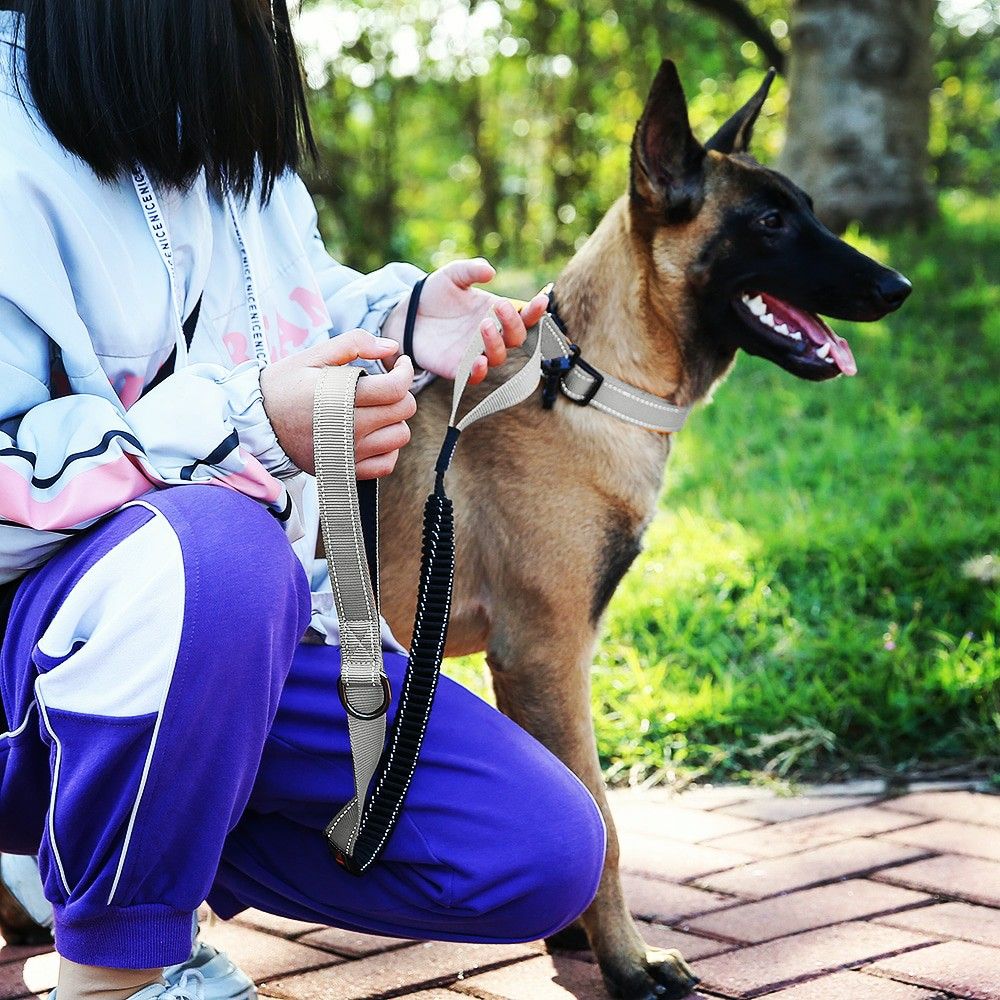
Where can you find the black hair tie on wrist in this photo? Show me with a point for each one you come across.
(411, 319)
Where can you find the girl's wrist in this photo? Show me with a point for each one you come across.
(392, 329)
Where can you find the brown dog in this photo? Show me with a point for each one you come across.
(708, 252)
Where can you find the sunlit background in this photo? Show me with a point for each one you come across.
(818, 596)
(452, 126)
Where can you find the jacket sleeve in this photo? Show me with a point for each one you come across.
(354, 300)
(66, 460)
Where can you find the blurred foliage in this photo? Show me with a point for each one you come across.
(502, 127)
(965, 105)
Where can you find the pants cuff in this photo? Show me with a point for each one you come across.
(135, 937)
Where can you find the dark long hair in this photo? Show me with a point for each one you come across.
(176, 85)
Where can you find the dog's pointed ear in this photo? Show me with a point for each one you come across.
(667, 160)
(735, 135)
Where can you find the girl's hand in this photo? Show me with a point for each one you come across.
(383, 403)
(451, 310)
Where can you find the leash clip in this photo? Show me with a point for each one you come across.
(555, 370)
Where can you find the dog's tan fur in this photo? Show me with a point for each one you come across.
(550, 508)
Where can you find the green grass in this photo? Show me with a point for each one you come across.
(813, 599)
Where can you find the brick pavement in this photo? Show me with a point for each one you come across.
(844, 895)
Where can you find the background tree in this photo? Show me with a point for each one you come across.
(860, 76)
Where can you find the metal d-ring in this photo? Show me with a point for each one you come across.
(365, 716)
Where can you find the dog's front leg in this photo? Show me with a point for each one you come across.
(548, 694)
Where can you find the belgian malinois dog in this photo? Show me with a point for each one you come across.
(707, 253)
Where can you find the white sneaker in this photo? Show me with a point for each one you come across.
(212, 971)
(221, 978)
(190, 987)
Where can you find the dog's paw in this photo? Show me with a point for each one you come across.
(660, 974)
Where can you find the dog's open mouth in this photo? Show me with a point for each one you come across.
(798, 340)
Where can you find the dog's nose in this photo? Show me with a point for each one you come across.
(892, 289)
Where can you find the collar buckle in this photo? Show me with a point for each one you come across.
(595, 385)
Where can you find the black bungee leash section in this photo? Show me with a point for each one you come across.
(430, 629)
(399, 759)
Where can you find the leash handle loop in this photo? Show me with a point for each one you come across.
(363, 686)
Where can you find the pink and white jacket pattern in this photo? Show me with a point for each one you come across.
(86, 323)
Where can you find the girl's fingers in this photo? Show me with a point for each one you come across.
(348, 347)
(368, 419)
(466, 273)
(376, 468)
(384, 390)
(493, 339)
(535, 309)
(384, 441)
(480, 369)
(514, 330)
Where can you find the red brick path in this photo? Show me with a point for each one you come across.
(820, 897)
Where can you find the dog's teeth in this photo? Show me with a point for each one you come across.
(782, 329)
(829, 361)
(767, 319)
(823, 351)
(795, 335)
(756, 306)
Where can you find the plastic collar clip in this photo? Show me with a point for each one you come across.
(554, 370)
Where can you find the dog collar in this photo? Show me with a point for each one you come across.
(565, 370)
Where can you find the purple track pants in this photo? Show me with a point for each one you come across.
(168, 740)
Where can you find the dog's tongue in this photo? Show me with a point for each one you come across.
(816, 329)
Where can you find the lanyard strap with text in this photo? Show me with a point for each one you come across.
(158, 230)
(161, 236)
(257, 335)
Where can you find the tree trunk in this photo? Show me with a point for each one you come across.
(487, 218)
(860, 76)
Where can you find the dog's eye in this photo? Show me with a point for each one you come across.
(771, 220)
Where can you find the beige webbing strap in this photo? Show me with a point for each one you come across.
(364, 688)
(515, 390)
